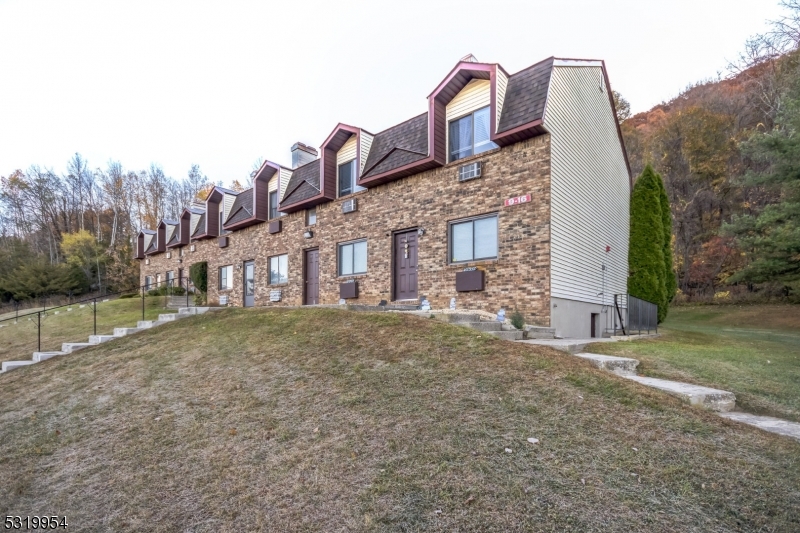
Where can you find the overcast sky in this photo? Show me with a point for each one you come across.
(224, 83)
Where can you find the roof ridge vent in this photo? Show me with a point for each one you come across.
(469, 58)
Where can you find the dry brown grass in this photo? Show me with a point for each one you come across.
(327, 420)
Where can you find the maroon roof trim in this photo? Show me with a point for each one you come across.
(260, 210)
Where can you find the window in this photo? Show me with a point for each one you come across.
(158, 280)
(273, 204)
(170, 278)
(474, 239)
(353, 258)
(148, 282)
(469, 135)
(311, 216)
(347, 179)
(226, 277)
(279, 269)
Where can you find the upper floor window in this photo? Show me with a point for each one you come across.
(473, 239)
(353, 258)
(347, 178)
(273, 204)
(470, 135)
(311, 216)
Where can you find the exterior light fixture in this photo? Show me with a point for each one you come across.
(308, 234)
(421, 231)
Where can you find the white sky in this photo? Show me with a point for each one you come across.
(223, 83)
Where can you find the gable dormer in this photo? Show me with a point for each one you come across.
(171, 233)
(219, 202)
(183, 232)
(255, 204)
(159, 243)
(344, 153)
(143, 242)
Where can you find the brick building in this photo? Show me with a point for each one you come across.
(511, 191)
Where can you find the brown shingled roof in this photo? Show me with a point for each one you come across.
(201, 226)
(242, 208)
(397, 146)
(303, 184)
(526, 96)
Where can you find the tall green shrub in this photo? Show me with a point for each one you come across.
(646, 252)
(198, 273)
(670, 283)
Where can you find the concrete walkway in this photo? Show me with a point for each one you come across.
(720, 401)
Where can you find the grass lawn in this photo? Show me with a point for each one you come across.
(19, 341)
(752, 351)
(330, 420)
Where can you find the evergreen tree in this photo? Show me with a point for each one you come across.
(670, 283)
(646, 251)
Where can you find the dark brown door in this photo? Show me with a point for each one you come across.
(405, 265)
(312, 277)
(594, 325)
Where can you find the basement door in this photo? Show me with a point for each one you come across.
(249, 284)
(311, 277)
(405, 265)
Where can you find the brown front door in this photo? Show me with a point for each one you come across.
(311, 277)
(405, 265)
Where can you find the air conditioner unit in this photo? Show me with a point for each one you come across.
(169, 255)
(350, 205)
(470, 171)
(191, 248)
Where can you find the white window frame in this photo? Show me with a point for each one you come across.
(340, 252)
(471, 220)
(272, 208)
(450, 140)
(228, 277)
(283, 277)
(148, 282)
(170, 278)
(311, 211)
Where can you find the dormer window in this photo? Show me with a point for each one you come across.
(273, 205)
(470, 135)
(347, 179)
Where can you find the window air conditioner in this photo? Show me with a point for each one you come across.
(350, 205)
(470, 171)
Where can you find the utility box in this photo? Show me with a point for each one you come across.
(348, 290)
(470, 280)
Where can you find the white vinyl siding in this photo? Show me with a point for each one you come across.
(273, 183)
(283, 181)
(193, 222)
(347, 152)
(473, 96)
(501, 84)
(589, 189)
(227, 205)
(366, 144)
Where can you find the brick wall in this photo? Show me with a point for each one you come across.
(519, 278)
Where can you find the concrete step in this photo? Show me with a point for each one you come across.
(197, 310)
(572, 346)
(8, 366)
(767, 423)
(38, 357)
(458, 317)
(98, 339)
(622, 366)
(121, 332)
(69, 347)
(147, 324)
(507, 335)
(713, 399)
(483, 326)
(169, 317)
(539, 332)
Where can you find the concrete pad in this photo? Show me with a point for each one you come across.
(82, 306)
(767, 423)
(69, 347)
(7, 366)
(38, 357)
(121, 332)
(572, 346)
(483, 326)
(99, 339)
(623, 366)
(713, 399)
(69, 309)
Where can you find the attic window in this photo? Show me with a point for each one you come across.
(470, 135)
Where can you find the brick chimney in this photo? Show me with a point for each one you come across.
(302, 154)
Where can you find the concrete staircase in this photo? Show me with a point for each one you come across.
(474, 321)
(70, 347)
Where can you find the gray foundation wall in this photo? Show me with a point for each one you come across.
(573, 319)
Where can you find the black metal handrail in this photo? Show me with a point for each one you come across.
(142, 290)
(635, 314)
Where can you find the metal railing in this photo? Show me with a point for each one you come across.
(636, 316)
(152, 292)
